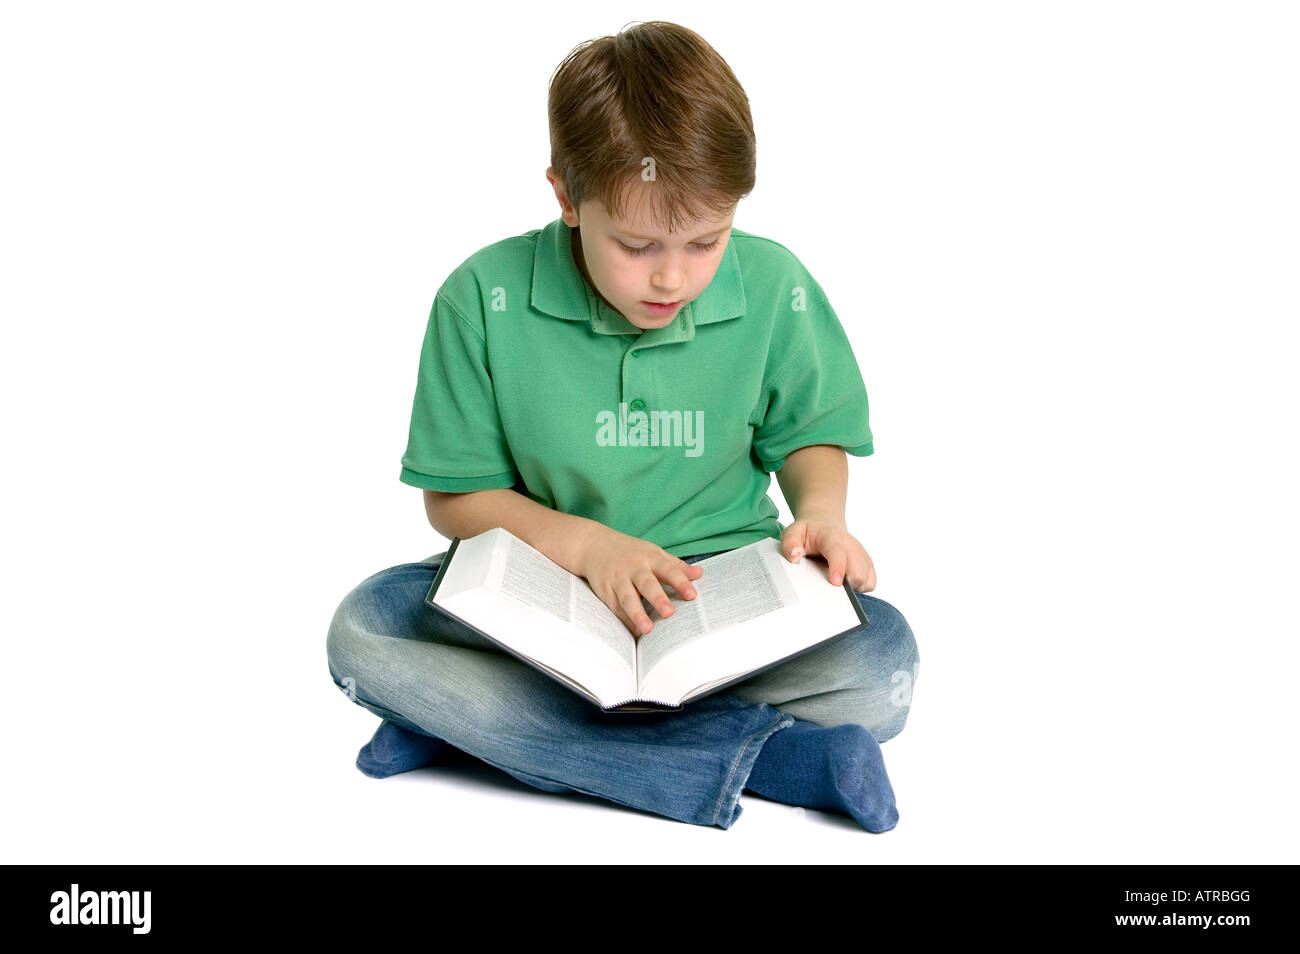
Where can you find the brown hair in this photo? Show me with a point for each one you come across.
(654, 90)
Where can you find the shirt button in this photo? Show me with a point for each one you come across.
(636, 405)
(636, 354)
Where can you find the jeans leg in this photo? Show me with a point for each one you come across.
(394, 655)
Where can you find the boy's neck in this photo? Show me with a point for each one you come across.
(575, 246)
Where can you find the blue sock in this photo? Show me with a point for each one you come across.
(395, 749)
(837, 769)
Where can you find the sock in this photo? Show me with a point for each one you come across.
(838, 769)
(394, 749)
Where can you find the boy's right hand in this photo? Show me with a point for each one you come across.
(621, 569)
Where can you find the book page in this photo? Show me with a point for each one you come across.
(531, 578)
(735, 586)
(808, 610)
(537, 610)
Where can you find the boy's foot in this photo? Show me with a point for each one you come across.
(394, 749)
(837, 769)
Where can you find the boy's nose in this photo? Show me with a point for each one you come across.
(668, 280)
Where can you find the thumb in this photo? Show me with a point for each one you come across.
(794, 543)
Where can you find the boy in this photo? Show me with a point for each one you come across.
(545, 358)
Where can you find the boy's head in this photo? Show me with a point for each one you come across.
(652, 148)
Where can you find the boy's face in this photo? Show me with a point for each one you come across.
(632, 264)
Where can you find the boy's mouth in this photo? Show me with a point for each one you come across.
(660, 308)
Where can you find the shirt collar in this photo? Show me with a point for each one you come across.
(560, 290)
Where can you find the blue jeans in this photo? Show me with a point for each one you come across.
(403, 660)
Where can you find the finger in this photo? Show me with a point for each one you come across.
(614, 598)
(855, 571)
(622, 618)
(610, 599)
(684, 569)
(867, 574)
(617, 610)
(630, 600)
(794, 543)
(858, 578)
(632, 628)
(651, 589)
(681, 582)
(838, 559)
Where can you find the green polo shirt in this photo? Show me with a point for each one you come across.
(528, 380)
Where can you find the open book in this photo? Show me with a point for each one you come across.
(753, 610)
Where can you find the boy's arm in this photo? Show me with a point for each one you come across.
(562, 537)
(815, 482)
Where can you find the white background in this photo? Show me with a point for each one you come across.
(1062, 238)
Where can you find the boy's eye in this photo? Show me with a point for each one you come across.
(632, 250)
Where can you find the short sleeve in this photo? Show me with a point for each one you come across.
(456, 441)
(816, 397)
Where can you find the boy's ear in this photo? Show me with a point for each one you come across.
(567, 211)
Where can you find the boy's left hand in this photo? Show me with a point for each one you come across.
(828, 537)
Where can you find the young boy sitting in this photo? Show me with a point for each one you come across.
(641, 297)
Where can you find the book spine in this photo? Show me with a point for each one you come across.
(642, 705)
